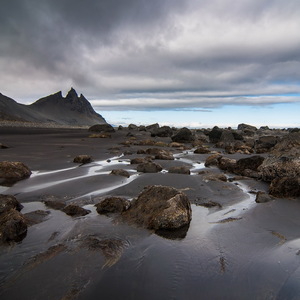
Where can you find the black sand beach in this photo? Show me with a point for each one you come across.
(233, 248)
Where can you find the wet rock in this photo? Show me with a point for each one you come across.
(262, 197)
(152, 127)
(3, 146)
(285, 187)
(284, 160)
(160, 207)
(215, 134)
(83, 159)
(265, 143)
(140, 160)
(160, 154)
(112, 249)
(13, 226)
(215, 177)
(102, 128)
(250, 163)
(8, 202)
(184, 135)
(75, 211)
(227, 164)
(212, 160)
(149, 167)
(55, 204)
(180, 170)
(210, 204)
(112, 205)
(12, 171)
(202, 150)
(120, 172)
(226, 138)
(36, 217)
(164, 131)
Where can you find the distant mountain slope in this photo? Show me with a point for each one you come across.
(69, 110)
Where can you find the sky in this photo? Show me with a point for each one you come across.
(195, 63)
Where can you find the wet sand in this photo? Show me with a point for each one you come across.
(237, 250)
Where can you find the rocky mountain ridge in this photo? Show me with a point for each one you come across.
(71, 110)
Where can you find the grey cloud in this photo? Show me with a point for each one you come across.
(138, 50)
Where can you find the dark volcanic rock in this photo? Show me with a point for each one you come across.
(152, 127)
(149, 167)
(141, 160)
(112, 205)
(133, 127)
(285, 187)
(83, 159)
(8, 202)
(75, 211)
(102, 128)
(180, 170)
(120, 172)
(164, 131)
(184, 135)
(202, 150)
(160, 207)
(227, 164)
(160, 154)
(12, 171)
(13, 226)
(251, 163)
(265, 143)
(262, 197)
(246, 127)
(212, 160)
(215, 134)
(55, 204)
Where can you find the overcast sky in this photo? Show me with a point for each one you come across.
(158, 54)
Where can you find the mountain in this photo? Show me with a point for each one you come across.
(69, 110)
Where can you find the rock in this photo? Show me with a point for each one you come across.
(160, 207)
(75, 210)
(215, 134)
(12, 171)
(3, 146)
(140, 160)
(202, 150)
(227, 138)
(83, 159)
(251, 163)
(55, 204)
(265, 143)
(180, 170)
(160, 154)
(120, 172)
(142, 128)
(212, 160)
(132, 127)
(149, 167)
(100, 135)
(112, 205)
(246, 127)
(227, 164)
(285, 187)
(102, 128)
(152, 127)
(284, 160)
(36, 217)
(184, 135)
(262, 197)
(164, 131)
(215, 177)
(13, 226)
(8, 202)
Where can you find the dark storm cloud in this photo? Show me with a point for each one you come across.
(152, 54)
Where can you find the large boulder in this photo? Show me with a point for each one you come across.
(246, 127)
(184, 135)
(215, 134)
(265, 143)
(285, 187)
(249, 163)
(164, 131)
(11, 171)
(13, 226)
(8, 202)
(284, 160)
(112, 205)
(102, 128)
(160, 208)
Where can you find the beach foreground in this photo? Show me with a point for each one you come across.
(233, 248)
